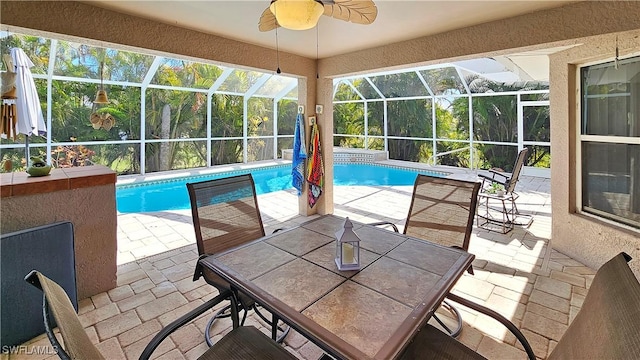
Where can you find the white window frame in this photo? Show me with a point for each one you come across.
(593, 213)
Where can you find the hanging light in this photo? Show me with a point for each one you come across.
(101, 96)
(101, 119)
(297, 14)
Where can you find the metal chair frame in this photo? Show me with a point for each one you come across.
(419, 218)
(606, 326)
(242, 343)
(209, 246)
(509, 182)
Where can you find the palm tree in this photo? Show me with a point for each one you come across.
(495, 119)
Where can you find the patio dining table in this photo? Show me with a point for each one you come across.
(372, 313)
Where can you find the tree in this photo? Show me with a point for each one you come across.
(179, 90)
(495, 120)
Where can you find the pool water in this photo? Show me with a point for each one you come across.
(172, 194)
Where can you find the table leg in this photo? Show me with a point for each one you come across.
(274, 326)
(235, 317)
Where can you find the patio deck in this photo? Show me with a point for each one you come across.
(539, 290)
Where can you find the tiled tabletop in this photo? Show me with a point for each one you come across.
(366, 314)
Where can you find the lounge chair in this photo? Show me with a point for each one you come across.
(508, 181)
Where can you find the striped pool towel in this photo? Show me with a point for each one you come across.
(299, 154)
(315, 174)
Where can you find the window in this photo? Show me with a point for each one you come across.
(610, 141)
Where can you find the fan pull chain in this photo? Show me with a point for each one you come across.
(317, 31)
(616, 62)
(278, 71)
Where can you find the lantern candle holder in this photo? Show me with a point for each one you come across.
(347, 248)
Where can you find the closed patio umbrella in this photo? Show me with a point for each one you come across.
(29, 119)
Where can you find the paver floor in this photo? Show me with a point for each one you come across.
(516, 274)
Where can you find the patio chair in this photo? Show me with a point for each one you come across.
(508, 181)
(606, 327)
(225, 214)
(442, 211)
(241, 343)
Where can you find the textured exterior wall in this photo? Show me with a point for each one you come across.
(581, 236)
(542, 29)
(89, 22)
(325, 123)
(92, 210)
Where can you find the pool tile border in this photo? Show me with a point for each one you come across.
(278, 166)
(198, 176)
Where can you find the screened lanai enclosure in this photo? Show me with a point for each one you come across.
(172, 113)
(471, 114)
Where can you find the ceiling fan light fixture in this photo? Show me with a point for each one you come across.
(297, 14)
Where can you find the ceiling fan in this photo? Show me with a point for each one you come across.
(304, 14)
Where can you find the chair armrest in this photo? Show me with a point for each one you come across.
(495, 172)
(169, 329)
(386, 223)
(503, 320)
(493, 178)
(198, 272)
(32, 278)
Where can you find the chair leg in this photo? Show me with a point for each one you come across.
(455, 332)
(528, 219)
(285, 330)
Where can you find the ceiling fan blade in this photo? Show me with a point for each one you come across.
(355, 11)
(267, 21)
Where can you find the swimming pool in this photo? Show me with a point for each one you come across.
(171, 194)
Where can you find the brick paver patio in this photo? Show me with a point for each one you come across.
(515, 274)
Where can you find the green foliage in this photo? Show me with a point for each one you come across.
(35, 47)
(495, 119)
(172, 116)
(65, 156)
(287, 113)
(345, 92)
(494, 188)
(409, 121)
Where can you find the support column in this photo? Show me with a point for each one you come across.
(325, 121)
(312, 91)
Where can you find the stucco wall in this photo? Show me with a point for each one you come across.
(539, 30)
(581, 236)
(93, 214)
(106, 26)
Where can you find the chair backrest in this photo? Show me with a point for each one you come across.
(608, 324)
(442, 210)
(225, 213)
(517, 169)
(76, 341)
